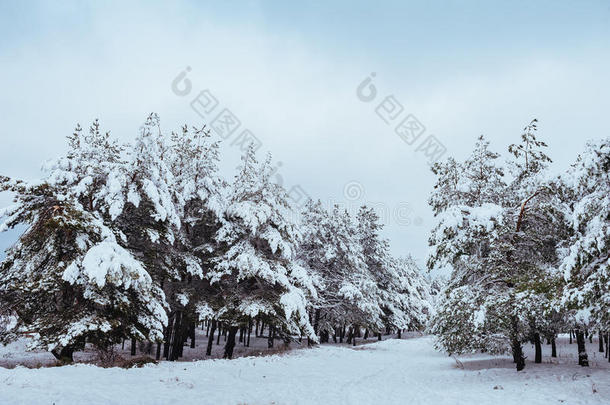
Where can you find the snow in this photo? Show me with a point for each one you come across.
(109, 261)
(389, 372)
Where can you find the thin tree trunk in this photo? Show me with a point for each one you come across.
(166, 343)
(553, 348)
(399, 333)
(208, 350)
(158, 353)
(230, 345)
(270, 338)
(193, 335)
(316, 322)
(133, 347)
(518, 354)
(601, 342)
(379, 336)
(570, 336)
(249, 332)
(219, 333)
(516, 345)
(538, 345)
(582, 349)
(366, 334)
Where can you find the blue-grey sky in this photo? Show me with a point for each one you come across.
(289, 73)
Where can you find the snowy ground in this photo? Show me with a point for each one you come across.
(388, 372)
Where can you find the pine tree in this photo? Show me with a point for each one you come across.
(586, 263)
(257, 274)
(193, 159)
(69, 278)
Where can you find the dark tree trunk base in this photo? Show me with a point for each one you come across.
(538, 345)
(583, 359)
(230, 345)
(65, 355)
(518, 355)
(208, 350)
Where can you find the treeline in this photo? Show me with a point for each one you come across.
(528, 252)
(145, 241)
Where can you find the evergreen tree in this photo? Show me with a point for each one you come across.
(69, 279)
(586, 263)
(257, 274)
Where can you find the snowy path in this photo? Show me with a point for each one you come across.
(389, 372)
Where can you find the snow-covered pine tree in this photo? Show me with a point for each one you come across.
(529, 250)
(411, 293)
(348, 296)
(193, 160)
(151, 220)
(500, 242)
(403, 295)
(68, 279)
(586, 262)
(478, 299)
(257, 274)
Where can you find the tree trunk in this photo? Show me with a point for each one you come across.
(399, 333)
(350, 335)
(538, 345)
(366, 334)
(570, 336)
(249, 332)
(208, 350)
(193, 335)
(316, 322)
(379, 336)
(219, 333)
(553, 348)
(270, 338)
(133, 347)
(516, 345)
(230, 345)
(65, 355)
(176, 339)
(601, 342)
(583, 359)
(166, 343)
(158, 353)
(518, 354)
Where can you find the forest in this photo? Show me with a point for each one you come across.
(145, 242)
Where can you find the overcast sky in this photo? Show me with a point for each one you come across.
(290, 73)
